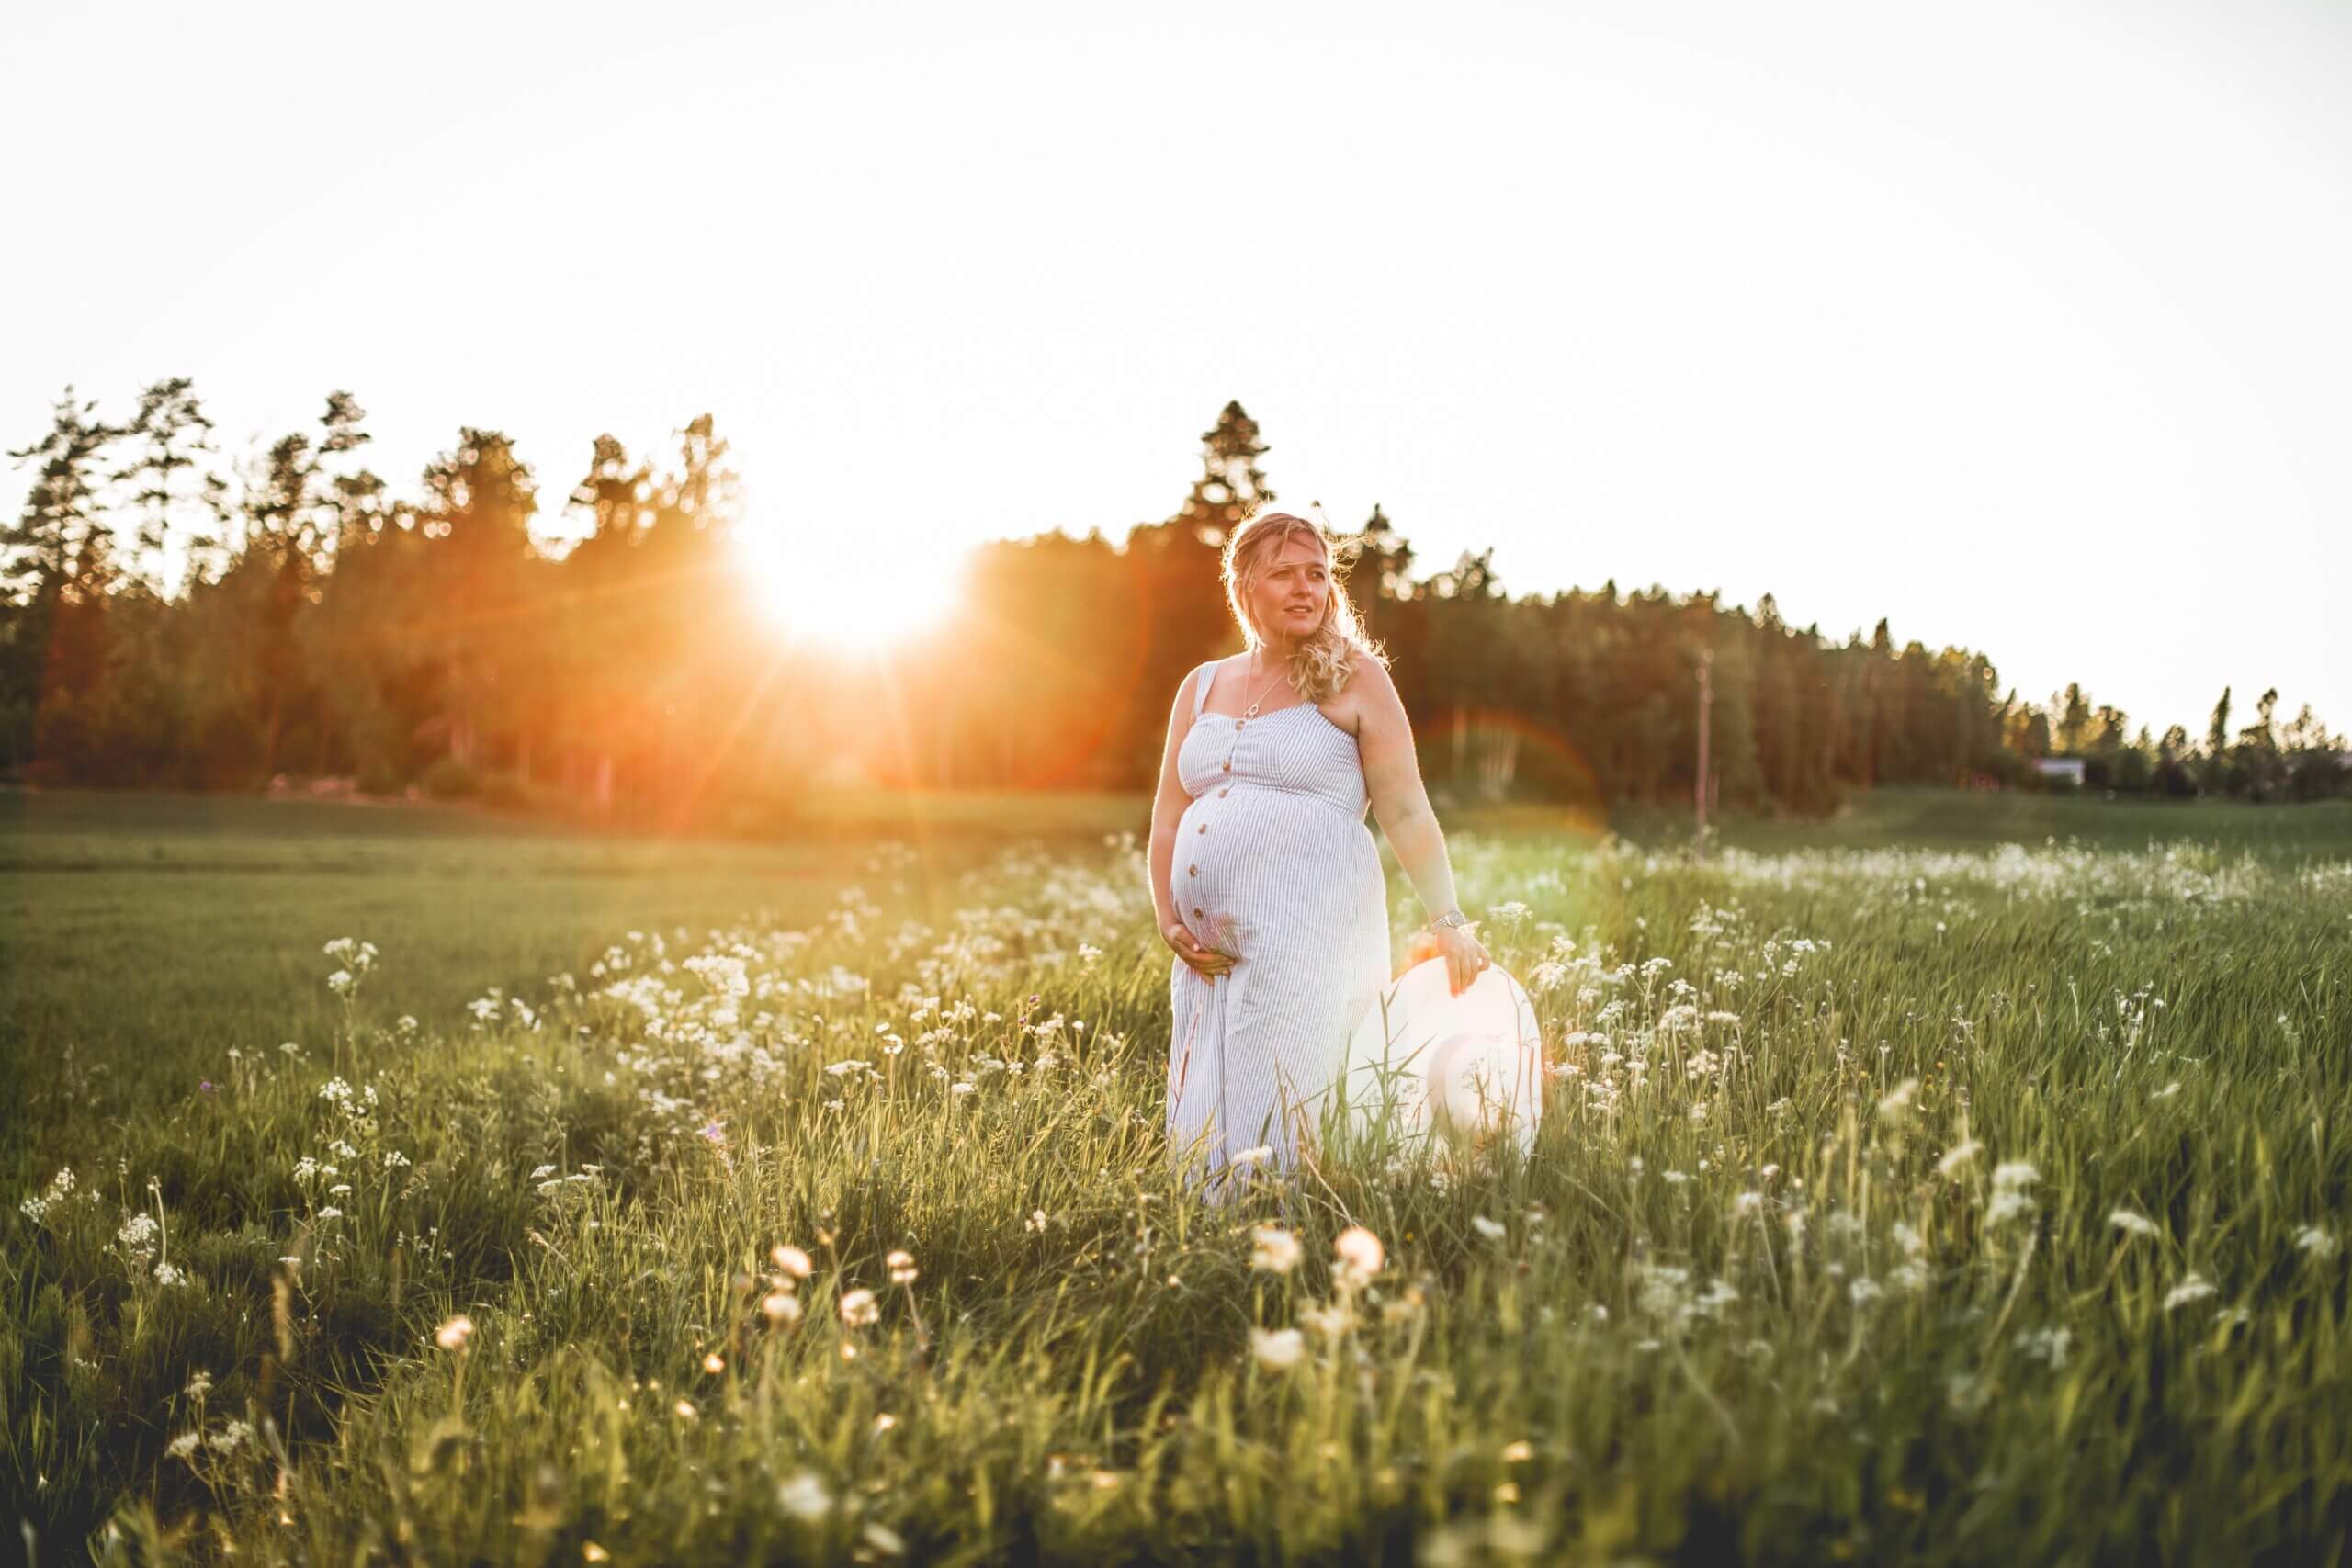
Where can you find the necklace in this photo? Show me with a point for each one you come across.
(1252, 711)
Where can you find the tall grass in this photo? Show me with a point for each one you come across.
(1902, 1205)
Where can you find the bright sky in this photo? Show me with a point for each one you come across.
(2022, 324)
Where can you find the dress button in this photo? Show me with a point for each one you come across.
(1228, 765)
(1191, 871)
(1196, 911)
(1226, 791)
(1205, 827)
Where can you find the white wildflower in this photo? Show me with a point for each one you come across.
(2194, 1288)
(1360, 1254)
(1329, 1321)
(2009, 1200)
(1960, 1153)
(805, 1497)
(1279, 1349)
(1277, 1250)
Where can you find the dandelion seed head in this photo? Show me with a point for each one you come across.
(1360, 1253)
(1277, 1349)
(1275, 1250)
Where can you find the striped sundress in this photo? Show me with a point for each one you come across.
(1274, 864)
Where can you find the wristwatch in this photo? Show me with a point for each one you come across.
(1448, 920)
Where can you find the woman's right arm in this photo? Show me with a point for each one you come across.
(1167, 805)
(1166, 810)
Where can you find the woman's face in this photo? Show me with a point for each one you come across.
(1291, 592)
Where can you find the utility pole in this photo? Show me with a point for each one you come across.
(1706, 713)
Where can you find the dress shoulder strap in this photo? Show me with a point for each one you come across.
(1200, 686)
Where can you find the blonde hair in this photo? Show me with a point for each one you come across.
(1320, 663)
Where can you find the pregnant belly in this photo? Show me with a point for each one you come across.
(1261, 859)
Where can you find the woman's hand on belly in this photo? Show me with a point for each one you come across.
(1205, 962)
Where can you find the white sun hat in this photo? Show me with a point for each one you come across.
(1463, 1068)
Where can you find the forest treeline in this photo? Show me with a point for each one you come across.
(325, 627)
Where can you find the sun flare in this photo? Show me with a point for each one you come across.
(860, 595)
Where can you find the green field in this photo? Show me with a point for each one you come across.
(1960, 1178)
(141, 936)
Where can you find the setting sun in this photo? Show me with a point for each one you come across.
(854, 595)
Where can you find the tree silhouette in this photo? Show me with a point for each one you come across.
(434, 642)
(172, 435)
(55, 568)
(2217, 745)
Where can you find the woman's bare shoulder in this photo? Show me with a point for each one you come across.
(1367, 678)
(1367, 674)
(1368, 691)
(1214, 669)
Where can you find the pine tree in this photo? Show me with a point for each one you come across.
(1174, 573)
(480, 500)
(1230, 487)
(354, 501)
(1375, 564)
(173, 434)
(600, 607)
(685, 560)
(614, 495)
(2071, 712)
(55, 568)
(2217, 746)
(39, 550)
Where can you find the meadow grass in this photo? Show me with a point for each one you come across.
(141, 936)
(1924, 1203)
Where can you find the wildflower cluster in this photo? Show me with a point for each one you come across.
(356, 959)
(1357, 1302)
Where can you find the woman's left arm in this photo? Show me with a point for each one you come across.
(1391, 776)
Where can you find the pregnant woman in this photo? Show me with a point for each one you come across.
(1266, 880)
